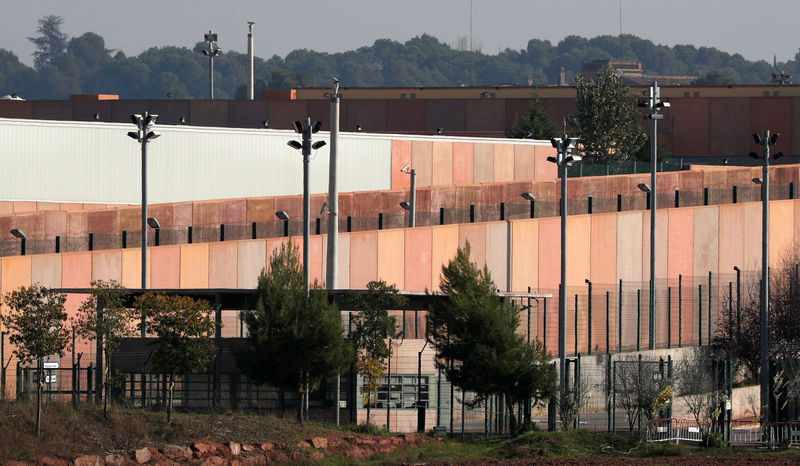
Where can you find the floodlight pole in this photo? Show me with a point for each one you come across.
(564, 159)
(250, 57)
(653, 104)
(765, 411)
(212, 50)
(306, 198)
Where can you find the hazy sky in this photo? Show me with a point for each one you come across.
(335, 26)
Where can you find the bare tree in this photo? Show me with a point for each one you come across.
(696, 385)
(641, 389)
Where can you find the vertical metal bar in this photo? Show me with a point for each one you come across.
(700, 315)
(619, 318)
(669, 317)
(638, 319)
(608, 321)
(680, 310)
(710, 305)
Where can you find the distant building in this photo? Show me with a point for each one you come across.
(632, 73)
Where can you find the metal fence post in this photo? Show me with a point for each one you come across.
(608, 322)
(700, 315)
(576, 323)
(638, 319)
(669, 317)
(710, 305)
(589, 318)
(680, 309)
(619, 318)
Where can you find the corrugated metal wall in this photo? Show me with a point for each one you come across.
(97, 162)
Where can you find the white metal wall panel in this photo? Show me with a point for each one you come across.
(97, 162)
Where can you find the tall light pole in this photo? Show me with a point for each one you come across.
(144, 134)
(250, 58)
(306, 129)
(411, 205)
(333, 192)
(765, 141)
(211, 50)
(564, 159)
(654, 104)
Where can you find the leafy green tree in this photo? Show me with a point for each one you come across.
(36, 321)
(295, 340)
(535, 123)
(104, 317)
(185, 328)
(373, 325)
(50, 42)
(477, 346)
(607, 120)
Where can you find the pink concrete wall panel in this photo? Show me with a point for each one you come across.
(731, 237)
(208, 112)
(223, 265)
(194, 265)
(579, 250)
(401, 156)
(752, 236)
(252, 259)
(550, 254)
(24, 206)
(77, 224)
(483, 163)
(292, 205)
(475, 234)
(370, 114)
(55, 224)
(46, 270)
(524, 163)
(543, 169)
(449, 115)
(32, 224)
(463, 160)
(260, 209)
(76, 270)
(503, 162)
(681, 242)
(418, 259)
(405, 115)
(391, 257)
(316, 274)
(781, 228)
(15, 272)
(165, 267)
(524, 255)
(629, 246)
(233, 211)
(343, 269)
(729, 121)
(130, 218)
(444, 244)
(493, 193)
(205, 213)
(442, 164)
(692, 129)
(775, 115)
(363, 259)
(366, 204)
(422, 161)
(497, 253)
(107, 265)
(47, 206)
(162, 212)
(603, 260)
(706, 240)
(486, 115)
(283, 112)
(132, 268)
(103, 222)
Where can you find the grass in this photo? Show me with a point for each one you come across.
(68, 432)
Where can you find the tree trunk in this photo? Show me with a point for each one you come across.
(105, 383)
(39, 401)
(300, 400)
(512, 417)
(169, 399)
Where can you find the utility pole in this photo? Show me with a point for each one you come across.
(211, 50)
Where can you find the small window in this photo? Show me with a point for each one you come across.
(697, 93)
(403, 95)
(775, 93)
(766, 93)
(413, 96)
(686, 94)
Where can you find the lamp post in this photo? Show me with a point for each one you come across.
(22, 237)
(306, 129)
(564, 159)
(411, 205)
(212, 50)
(333, 191)
(282, 215)
(144, 134)
(653, 104)
(153, 223)
(532, 198)
(765, 141)
(250, 58)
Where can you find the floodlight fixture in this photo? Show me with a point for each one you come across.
(153, 134)
(528, 196)
(317, 145)
(774, 138)
(777, 156)
(644, 187)
(265, 123)
(359, 128)
(316, 126)
(294, 144)
(757, 138)
(552, 159)
(757, 180)
(439, 130)
(754, 155)
(133, 135)
(298, 127)
(405, 168)
(405, 205)
(182, 120)
(18, 233)
(281, 214)
(153, 222)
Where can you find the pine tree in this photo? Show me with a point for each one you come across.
(535, 123)
(295, 340)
